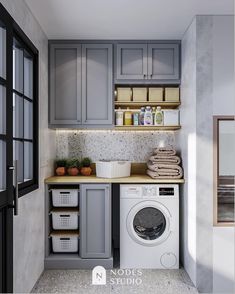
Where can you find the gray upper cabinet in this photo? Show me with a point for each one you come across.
(153, 62)
(95, 221)
(131, 61)
(65, 84)
(163, 61)
(97, 84)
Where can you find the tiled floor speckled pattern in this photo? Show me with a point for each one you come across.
(79, 281)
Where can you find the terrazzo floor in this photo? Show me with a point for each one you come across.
(79, 281)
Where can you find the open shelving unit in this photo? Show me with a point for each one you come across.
(147, 128)
(133, 104)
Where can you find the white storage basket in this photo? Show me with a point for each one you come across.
(65, 220)
(64, 243)
(113, 169)
(65, 197)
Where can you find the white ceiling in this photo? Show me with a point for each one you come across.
(122, 19)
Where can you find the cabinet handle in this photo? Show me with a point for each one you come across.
(16, 195)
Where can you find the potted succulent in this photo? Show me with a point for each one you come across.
(86, 166)
(72, 167)
(60, 167)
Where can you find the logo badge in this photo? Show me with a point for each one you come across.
(99, 275)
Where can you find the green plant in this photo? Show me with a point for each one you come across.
(61, 162)
(72, 162)
(86, 162)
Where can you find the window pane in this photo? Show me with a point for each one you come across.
(17, 68)
(28, 161)
(28, 76)
(226, 179)
(18, 116)
(2, 165)
(226, 148)
(18, 154)
(28, 120)
(2, 52)
(2, 110)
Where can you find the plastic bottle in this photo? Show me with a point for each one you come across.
(128, 117)
(141, 116)
(119, 117)
(158, 117)
(148, 117)
(153, 114)
(136, 119)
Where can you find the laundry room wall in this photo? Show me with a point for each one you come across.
(29, 225)
(135, 146)
(223, 104)
(207, 89)
(186, 140)
(195, 143)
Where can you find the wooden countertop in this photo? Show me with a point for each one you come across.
(133, 179)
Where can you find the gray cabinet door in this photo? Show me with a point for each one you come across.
(95, 221)
(65, 84)
(163, 61)
(97, 84)
(131, 61)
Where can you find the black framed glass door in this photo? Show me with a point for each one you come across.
(18, 132)
(6, 156)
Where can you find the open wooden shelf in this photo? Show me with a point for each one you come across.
(133, 104)
(147, 128)
(55, 233)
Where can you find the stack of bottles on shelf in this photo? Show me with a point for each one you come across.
(149, 116)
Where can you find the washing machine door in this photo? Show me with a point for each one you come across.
(149, 223)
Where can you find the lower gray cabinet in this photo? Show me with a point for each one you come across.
(95, 221)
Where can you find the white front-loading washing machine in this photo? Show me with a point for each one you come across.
(149, 226)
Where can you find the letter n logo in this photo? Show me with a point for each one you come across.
(99, 275)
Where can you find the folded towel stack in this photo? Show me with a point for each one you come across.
(164, 164)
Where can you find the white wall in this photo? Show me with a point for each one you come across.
(29, 225)
(187, 147)
(223, 104)
(223, 260)
(207, 88)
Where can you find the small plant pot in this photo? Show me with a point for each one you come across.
(86, 171)
(73, 171)
(60, 171)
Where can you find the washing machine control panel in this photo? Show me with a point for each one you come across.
(149, 191)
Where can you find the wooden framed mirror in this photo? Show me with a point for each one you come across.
(224, 170)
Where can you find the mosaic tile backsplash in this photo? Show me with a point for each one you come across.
(111, 145)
